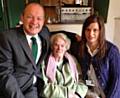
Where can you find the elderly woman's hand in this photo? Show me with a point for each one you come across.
(72, 95)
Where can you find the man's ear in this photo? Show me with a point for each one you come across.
(20, 22)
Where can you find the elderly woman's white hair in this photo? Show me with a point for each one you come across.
(62, 36)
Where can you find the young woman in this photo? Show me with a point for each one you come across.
(102, 55)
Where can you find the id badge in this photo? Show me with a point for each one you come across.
(89, 83)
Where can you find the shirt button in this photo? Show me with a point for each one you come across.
(98, 77)
(102, 84)
(34, 79)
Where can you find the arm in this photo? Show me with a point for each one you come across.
(114, 64)
(61, 91)
(52, 89)
(79, 87)
(55, 91)
(9, 86)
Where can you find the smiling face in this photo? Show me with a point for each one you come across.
(33, 19)
(59, 48)
(92, 34)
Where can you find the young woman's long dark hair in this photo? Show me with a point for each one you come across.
(102, 39)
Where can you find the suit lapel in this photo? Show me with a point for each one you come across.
(25, 46)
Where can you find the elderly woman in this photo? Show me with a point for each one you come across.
(60, 72)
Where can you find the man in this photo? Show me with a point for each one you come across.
(19, 72)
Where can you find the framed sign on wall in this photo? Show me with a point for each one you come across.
(101, 8)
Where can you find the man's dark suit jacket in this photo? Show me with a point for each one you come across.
(17, 66)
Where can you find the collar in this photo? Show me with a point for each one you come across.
(29, 37)
(90, 52)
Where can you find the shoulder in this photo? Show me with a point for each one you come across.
(112, 50)
(45, 33)
(111, 47)
(9, 34)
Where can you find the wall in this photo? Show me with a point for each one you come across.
(117, 31)
(113, 12)
(14, 12)
(10, 13)
(75, 28)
